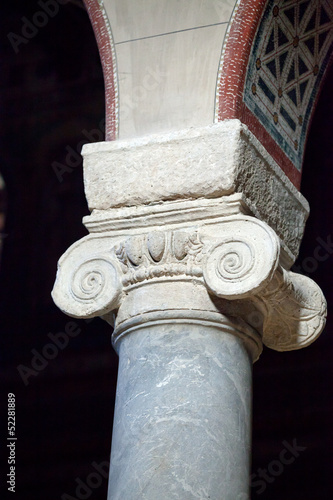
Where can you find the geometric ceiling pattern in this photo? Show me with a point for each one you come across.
(288, 58)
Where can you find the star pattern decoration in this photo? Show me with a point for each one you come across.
(288, 59)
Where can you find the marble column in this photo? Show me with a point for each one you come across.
(192, 235)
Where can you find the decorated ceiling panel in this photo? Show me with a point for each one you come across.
(287, 61)
(273, 63)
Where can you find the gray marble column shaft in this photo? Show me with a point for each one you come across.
(182, 422)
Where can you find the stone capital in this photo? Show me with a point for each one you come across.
(198, 225)
(195, 164)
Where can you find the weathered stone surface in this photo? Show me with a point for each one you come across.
(208, 162)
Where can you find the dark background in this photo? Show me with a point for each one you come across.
(51, 92)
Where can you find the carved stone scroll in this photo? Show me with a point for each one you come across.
(238, 261)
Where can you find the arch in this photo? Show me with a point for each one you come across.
(104, 38)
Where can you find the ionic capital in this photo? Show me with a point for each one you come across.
(225, 265)
(196, 225)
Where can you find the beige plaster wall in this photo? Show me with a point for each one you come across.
(168, 54)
